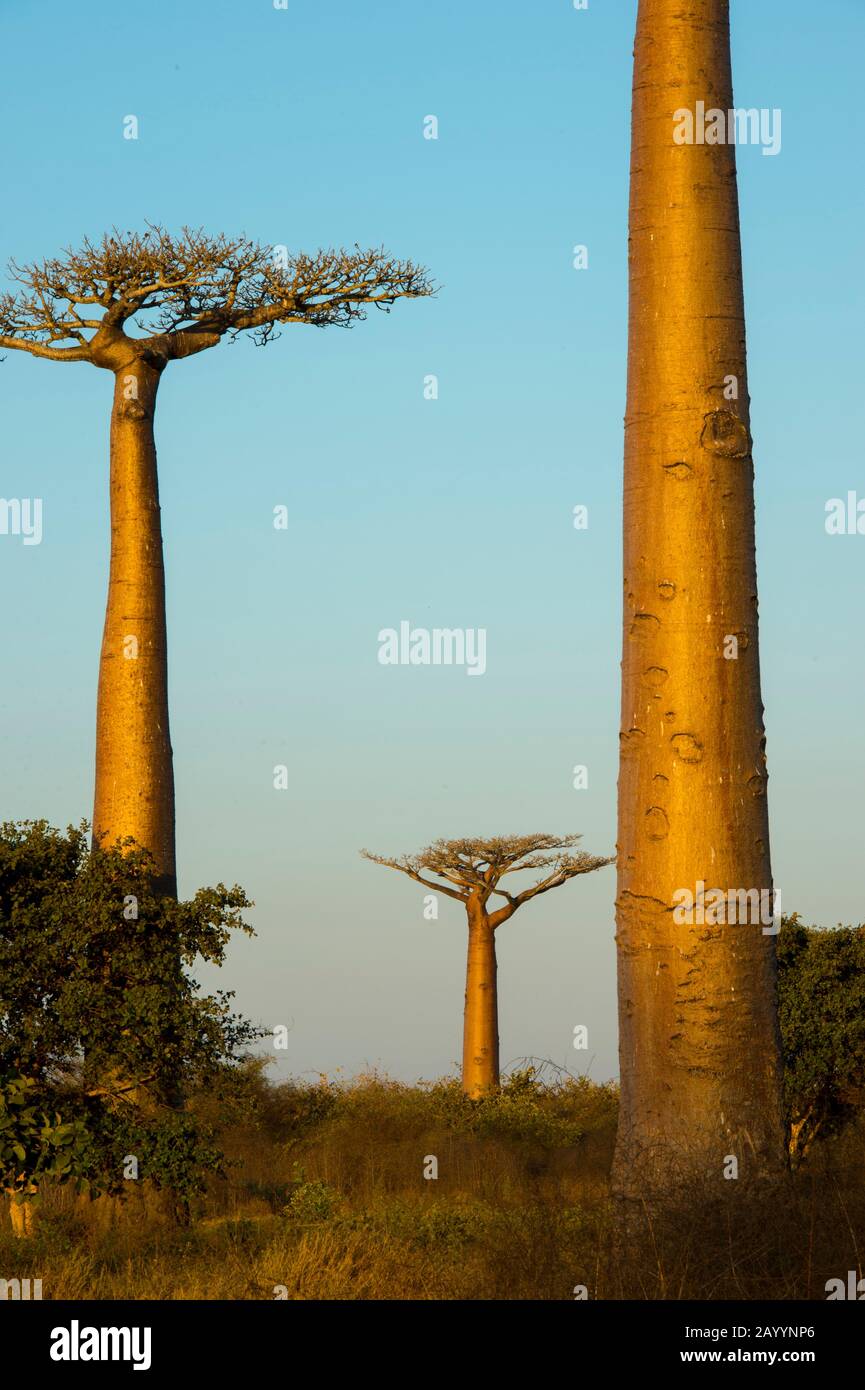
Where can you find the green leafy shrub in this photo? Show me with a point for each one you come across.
(821, 991)
(447, 1227)
(98, 1009)
(311, 1202)
(33, 1144)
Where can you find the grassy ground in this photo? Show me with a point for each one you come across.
(326, 1198)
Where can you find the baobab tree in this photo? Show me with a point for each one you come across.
(473, 871)
(699, 1043)
(132, 304)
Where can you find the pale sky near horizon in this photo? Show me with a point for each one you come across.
(304, 127)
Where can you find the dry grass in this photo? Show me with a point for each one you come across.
(326, 1199)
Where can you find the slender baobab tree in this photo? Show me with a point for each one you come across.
(699, 1044)
(132, 304)
(473, 871)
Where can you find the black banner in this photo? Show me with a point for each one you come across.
(233, 1338)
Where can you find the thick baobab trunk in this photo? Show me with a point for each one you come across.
(134, 777)
(699, 1047)
(481, 1019)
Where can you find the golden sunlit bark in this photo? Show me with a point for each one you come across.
(481, 1017)
(22, 1215)
(131, 304)
(699, 1047)
(134, 777)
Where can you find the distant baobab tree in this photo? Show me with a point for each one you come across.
(698, 1033)
(473, 871)
(132, 304)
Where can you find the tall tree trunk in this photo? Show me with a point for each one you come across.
(134, 776)
(22, 1214)
(699, 1043)
(481, 1019)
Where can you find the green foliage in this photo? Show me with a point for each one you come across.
(34, 1144)
(311, 1202)
(98, 1008)
(525, 1109)
(443, 1226)
(174, 1149)
(822, 1018)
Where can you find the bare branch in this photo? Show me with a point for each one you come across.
(79, 354)
(173, 295)
(568, 868)
(406, 866)
(117, 1091)
(479, 865)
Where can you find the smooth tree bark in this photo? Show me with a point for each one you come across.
(480, 1069)
(134, 793)
(699, 1040)
(132, 305)
(473, 871)
(22, 1215)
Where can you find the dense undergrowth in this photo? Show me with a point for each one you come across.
(325, 1196)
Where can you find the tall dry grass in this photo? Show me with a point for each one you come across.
(325, 1198)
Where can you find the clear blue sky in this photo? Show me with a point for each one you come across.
(304, 127)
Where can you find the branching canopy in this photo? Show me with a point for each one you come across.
(474, 869)
(164, 296)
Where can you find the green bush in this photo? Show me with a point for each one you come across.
(311, 1202)
(97, 1010)
(821, 992)
(33, 1144)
